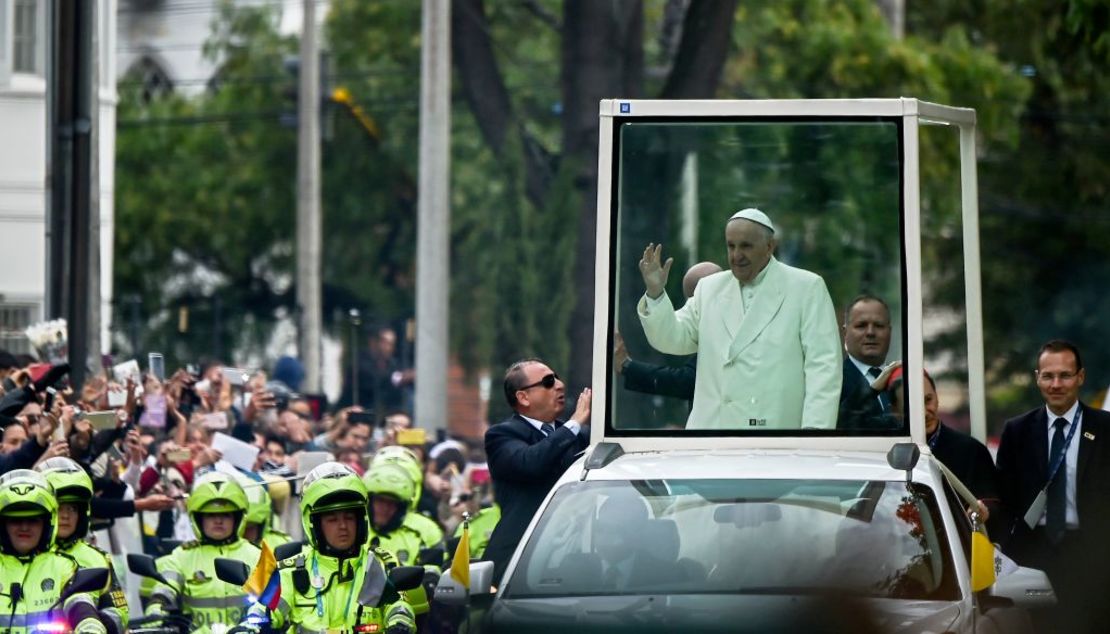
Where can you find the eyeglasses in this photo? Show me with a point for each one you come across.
(1049, 377)
(547, 382)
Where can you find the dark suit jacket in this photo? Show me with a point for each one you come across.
(970, 461)
(1023, 471)
(859, 404)
(666, 380)
(1078, 566)
(524, 465)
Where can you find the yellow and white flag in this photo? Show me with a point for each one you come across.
(460, 563)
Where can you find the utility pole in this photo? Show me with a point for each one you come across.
(73, 277)
(309, 308)
(433, 216)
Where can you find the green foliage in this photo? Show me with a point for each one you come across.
(206, 184)
(204, 197)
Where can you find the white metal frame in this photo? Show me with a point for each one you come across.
(913, 114)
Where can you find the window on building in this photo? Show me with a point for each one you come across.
(25, 37)
(14, 320)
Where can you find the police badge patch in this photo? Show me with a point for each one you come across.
(199, 576)
(47, 585)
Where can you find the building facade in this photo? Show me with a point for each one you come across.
(23, 164)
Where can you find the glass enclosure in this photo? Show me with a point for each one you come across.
(865, 538)
(759, 338)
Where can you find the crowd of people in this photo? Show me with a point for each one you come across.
(332, 490)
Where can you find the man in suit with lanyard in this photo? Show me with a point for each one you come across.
(1054, 479)
(866, 331)
(528, 451)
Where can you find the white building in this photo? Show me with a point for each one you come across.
(162, 41)
(23, 184)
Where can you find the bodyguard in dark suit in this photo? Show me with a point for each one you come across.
(967, 458)
(1071, 521)
(866, 332)
(528, 451)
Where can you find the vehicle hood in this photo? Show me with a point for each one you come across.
(718, 613)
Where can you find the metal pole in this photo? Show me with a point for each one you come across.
(74, 264)
(353, 351)
(308, 201)
(433, 216)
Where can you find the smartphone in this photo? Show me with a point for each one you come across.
(156, 364)
(236, 376)
(412, 437)
(360, 417)
(203, 385)
(178, 455)
(102, 420)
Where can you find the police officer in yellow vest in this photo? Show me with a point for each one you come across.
(73, 488)
(320, 585)
(430, 531)
(260, 516)
(32, 574)
(391, 492)
(217, 507)
(481, 527)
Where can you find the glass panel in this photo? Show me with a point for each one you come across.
(944, 323)
(758, 347)
(874, 539)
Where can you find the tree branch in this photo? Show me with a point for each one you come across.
(484, 88)
(701, 53)
(545, 16)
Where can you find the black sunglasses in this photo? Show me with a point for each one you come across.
(547, 382)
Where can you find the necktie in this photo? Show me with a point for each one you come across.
(547, 429)
(1056, 520)
(884, 400)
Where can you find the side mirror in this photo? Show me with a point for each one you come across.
(84, 580)
(1026, 587)
(451, 592)
(406, 577)
(433, 556)
(232, 571)
(143, 565)
(287, 550)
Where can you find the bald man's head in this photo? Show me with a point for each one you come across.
(695, 274)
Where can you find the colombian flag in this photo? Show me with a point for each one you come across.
(460, 563)
(265, 582)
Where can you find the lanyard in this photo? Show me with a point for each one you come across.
(320, 591)
(1067, 443)
(317, 579)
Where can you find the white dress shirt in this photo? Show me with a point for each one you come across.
(1071, 460)
(572, 425)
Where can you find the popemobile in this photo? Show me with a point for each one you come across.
(785, 493)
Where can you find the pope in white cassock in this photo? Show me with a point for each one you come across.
(765, 334)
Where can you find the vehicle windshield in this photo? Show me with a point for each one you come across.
(769, 322)
(867, 538)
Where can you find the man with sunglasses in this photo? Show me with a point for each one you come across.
(528, 451)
